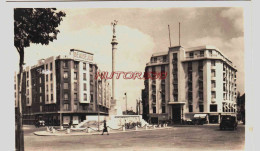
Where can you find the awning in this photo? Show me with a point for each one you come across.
(200, 115)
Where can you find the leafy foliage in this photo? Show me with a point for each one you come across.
(36, 25)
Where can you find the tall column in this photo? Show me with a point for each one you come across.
(114, 48)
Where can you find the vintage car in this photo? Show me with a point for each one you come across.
(228, 121)
(39, 123)
(199, 119)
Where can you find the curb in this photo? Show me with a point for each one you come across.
(44, 133)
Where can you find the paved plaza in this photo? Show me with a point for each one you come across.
(176, 138)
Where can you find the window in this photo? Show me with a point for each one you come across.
(51, 87)
(51, 66)
(75, 75)
(189, 65)
(201, 96)
(51, 76)
(40, 89)
(155, 59)
(46, 78)
(65, 74)
(85, 97)
(201, 108)
(164, 58)
(154, 109)
(84, 76)
(84, 66)
(27, 100)
(202, 53)
(190, 96)
(47, 97)
(175, 56)
(47, 88)
(213, 63)
(91, 98)
(190, 108)
(85, 87)
(66, 107)
(213, 94)
(90, 68)
(75, 86)
(163, 109)
(210, 52)
(76, 65)
(40, 99)
(75, 96)
(27, 83)
(27, 74)
(213, 73)
(66, 97)
(175, 97)
(51, 97)
(75, 107)
(46, 66)
(191, 54)
(66, 86)
(201, 85)
(213, 84)
(65, 64)
(213, 108)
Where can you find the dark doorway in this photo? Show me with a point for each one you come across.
(176, 114)
(154, 120)
(82, 118)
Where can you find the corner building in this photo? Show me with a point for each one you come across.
(200, 80)
(63, 89)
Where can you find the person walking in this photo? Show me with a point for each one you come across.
(105, 128)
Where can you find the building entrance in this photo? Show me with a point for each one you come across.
(176, 114)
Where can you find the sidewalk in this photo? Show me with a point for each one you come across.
(80, 133)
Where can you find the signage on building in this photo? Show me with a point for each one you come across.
(80, 55)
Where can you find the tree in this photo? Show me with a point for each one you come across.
(32, 25)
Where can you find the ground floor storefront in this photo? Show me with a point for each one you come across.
(177, 115)
(60, 118)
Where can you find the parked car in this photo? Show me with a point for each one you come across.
(39, 123)
(199, 119)
(228, 121)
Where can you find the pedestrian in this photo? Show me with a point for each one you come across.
(105, 128)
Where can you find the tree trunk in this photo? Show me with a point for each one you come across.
(19, 130)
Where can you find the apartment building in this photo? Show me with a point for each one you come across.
(200, 80)
(62, 89)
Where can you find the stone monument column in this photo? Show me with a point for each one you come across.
(115, 108)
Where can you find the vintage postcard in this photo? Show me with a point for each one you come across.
(137, 78)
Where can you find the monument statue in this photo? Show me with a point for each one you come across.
(114, 23)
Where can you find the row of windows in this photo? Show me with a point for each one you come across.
(163, 109)
(47, 77)
(76, 65)
(66, 96)
(66, 75)
(46, 66)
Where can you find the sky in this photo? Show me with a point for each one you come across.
(142, 32)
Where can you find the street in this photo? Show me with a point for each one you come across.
(205, 137)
